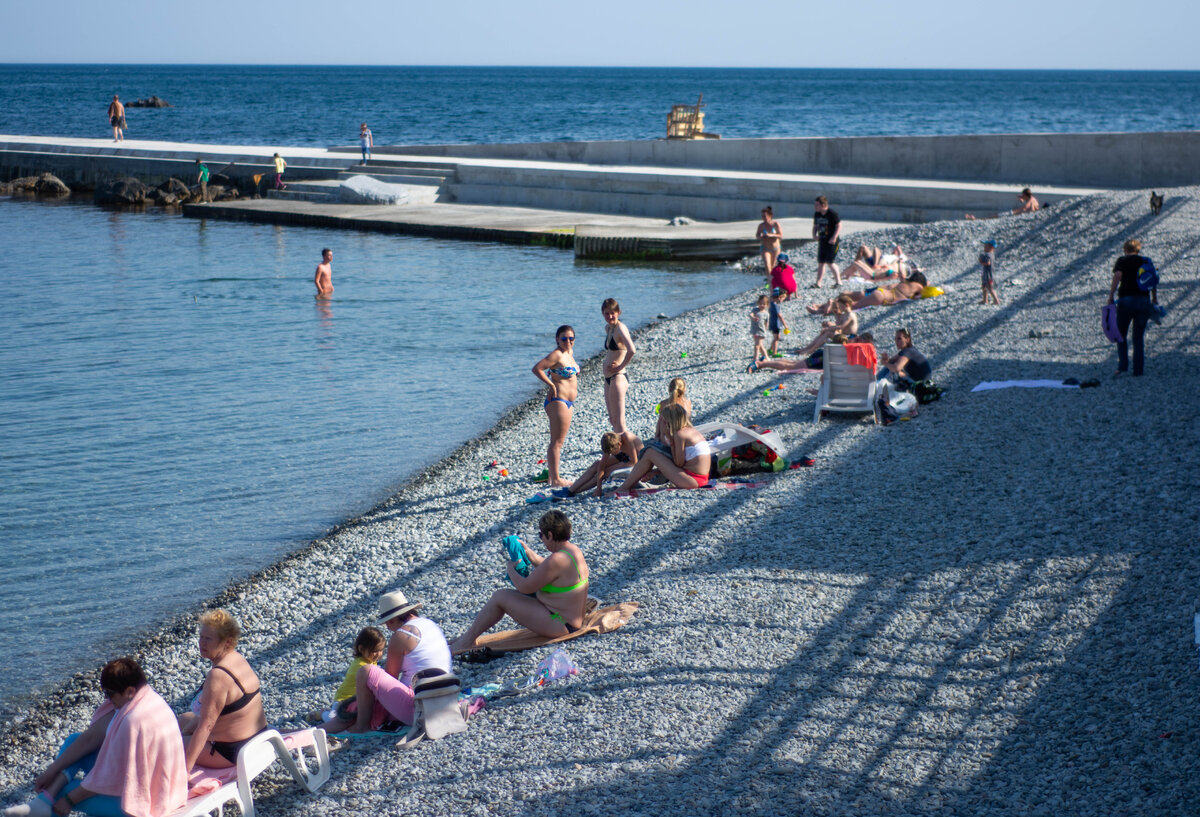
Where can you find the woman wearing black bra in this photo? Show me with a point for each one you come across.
(228, 710)
(618, 351)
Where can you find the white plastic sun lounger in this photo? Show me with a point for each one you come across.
(845, 388)
(723, 437)
(304, 754)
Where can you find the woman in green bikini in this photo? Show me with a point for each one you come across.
(558, 585)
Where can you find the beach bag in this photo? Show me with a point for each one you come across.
(926, 391)
(1147, 275)
(1108, 321)
(436, 708)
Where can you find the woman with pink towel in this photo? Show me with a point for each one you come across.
(132, 755)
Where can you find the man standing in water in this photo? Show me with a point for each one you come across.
(324, 276)
(116, 118)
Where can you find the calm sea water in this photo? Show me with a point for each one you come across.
(271, 105)
(169, 387)
(178, 410)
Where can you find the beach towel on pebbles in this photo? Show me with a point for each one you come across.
(600, 620)
(990, 385)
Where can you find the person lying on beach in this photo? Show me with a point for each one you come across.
(132, 755)
(369, 647)
(878, 296)
(550, 600)
(227, 711)
(1026, 203)
(873, 265)
(382, 694)
(686, 462)
(616, 451)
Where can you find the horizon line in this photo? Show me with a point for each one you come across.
(974, 69)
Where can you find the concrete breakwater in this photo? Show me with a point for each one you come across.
(611, 187)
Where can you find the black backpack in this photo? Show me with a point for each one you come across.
(926, 391)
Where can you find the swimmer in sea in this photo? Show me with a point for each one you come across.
(324, 275)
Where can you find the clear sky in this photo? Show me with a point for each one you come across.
(1117, 34)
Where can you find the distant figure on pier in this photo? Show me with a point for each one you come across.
(770, 236)
(324, 275)
(116, 118)
(1026, 203)
(202, 179)
(827, 231)
(366, 140)
(280, 166)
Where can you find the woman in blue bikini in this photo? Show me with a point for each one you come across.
(560, 372)
(550, 600)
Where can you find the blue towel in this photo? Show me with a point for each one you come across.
(516, 553)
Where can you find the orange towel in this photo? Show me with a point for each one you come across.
(862, 354)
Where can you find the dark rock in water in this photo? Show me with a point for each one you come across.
(24, 184)
(175, 188)
(121, 191)
(161, 197)
(152, 102)
(48, 184)
(216, 192)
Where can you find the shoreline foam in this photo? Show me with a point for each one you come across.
(987, 609)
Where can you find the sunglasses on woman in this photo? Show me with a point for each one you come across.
(567, 338)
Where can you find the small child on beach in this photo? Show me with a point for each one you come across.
(368, 649)
(777, 323)
(756, 327)
(987, 260)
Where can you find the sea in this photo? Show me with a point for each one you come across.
(178, 411)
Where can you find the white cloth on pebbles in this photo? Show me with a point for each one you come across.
(984, 611)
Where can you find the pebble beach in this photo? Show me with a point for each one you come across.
(986, 610)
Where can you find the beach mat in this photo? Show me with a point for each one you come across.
(599, 621)
(712, 486)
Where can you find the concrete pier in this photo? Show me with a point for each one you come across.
(614, 199)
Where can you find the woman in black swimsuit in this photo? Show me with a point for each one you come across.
(618, 351)
(228, 710)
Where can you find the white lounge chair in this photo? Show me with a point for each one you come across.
(304, 754)
(845, 387)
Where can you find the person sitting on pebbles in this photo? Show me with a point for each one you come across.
(550, 600)
(688, 459)
(132, 756)
(385, 693)
(845, 322)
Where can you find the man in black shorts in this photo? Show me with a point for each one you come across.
(827, 230)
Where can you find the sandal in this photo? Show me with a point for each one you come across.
(479, 655)
(543, 477)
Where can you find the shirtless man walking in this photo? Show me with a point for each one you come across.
(116, 118)
(324, 275)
